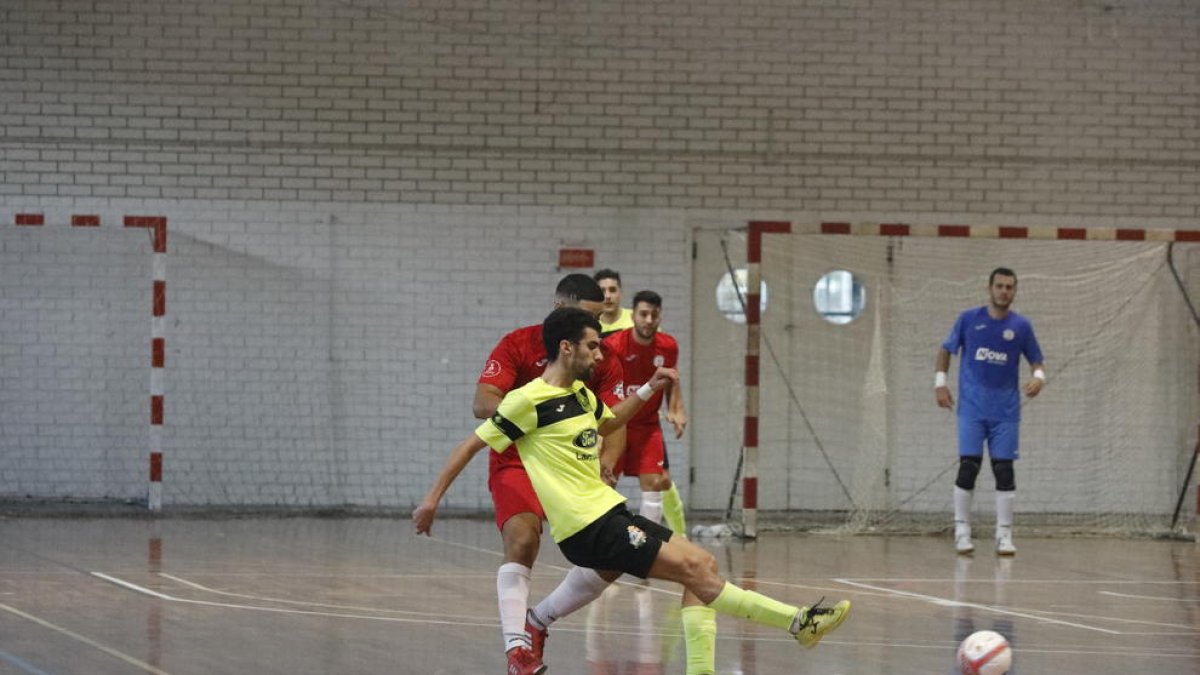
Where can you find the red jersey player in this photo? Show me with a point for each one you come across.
(641, 350)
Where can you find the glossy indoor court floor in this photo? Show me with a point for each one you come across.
(311, 595)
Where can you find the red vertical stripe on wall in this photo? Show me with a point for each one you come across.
(750, 493)
(159, 307)
(751, 370)
(750, 432)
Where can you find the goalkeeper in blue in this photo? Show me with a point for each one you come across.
(990, 341)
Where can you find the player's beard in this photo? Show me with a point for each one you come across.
(584, 373)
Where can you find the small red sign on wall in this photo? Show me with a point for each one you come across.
(576, 257)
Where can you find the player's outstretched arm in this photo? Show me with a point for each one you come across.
(625, 410)
(941, 391)
(462, 454)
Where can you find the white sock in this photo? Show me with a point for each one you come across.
(962, 507)
(512, 589)
(651, 506)
(1004, 510)
(578, 588)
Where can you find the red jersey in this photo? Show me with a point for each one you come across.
(638, 363)
(520, 357)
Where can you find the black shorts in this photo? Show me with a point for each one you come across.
(618, 540)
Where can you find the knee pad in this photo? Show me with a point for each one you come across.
(1006, 479)
(968, 469)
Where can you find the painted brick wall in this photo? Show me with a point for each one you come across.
(364, 195)
(970, 109)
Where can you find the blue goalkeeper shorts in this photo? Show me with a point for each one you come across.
(1002, 438)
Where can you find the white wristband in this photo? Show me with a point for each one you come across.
(939, 380)
(1040, 374)
(645, 391)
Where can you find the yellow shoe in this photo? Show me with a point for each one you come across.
(816, 622)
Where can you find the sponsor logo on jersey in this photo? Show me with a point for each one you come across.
(981, 326)
(659, 360)
(637, 538)
(1009, 334)
(491, 368)
(586, 439)
(985, 354)
(631, 357)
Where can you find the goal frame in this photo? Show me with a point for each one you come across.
(757, 230)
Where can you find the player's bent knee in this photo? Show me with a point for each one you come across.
(522, 539)
(968, 471)
(1006, 477)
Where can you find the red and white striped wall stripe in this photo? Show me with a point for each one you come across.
(1000, 232)
(157, 226)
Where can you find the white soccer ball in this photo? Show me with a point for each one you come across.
(984, 652)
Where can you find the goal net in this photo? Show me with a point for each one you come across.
(850, 435)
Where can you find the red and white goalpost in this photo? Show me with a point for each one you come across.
(156, 226)
(839, 423)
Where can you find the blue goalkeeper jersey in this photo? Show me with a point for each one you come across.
(989, 368)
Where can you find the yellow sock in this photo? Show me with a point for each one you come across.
(700, 634)
(754, 606)
(673, 511)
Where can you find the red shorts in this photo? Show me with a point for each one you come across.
(644, 450)
(512, 493)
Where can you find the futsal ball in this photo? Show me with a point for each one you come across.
(984, 652)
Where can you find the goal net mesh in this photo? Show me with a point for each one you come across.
(851, 437)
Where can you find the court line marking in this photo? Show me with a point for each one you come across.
(1079, 615)
(944, 602)
(22, 663)
(85, 640)
(1149, 597)
(309, 603)
(1026, 581)
(276, 610)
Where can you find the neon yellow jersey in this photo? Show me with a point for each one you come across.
(559, 448)
(624, 320)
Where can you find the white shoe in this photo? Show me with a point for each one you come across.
(962, 541)
(1004, 543)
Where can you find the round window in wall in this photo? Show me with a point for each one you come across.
(839, 297)
(730, 303)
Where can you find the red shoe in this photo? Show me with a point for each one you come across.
(537, 638)
(521, 661)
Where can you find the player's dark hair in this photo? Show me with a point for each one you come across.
(577, 287)
(566, 323)
(1004, 272)
(649, 297)
(607, 273)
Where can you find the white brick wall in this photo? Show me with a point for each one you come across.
(364, 195)
(973, 109)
